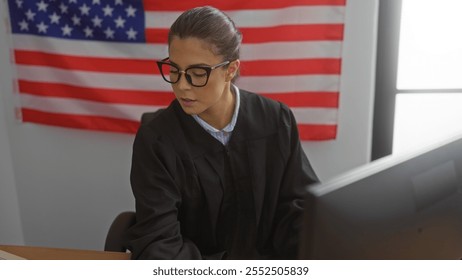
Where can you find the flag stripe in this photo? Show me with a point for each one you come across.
(158, 98)
(93, 79)
(28, 42)
(317, 132)
(79, 121)
(111, 95)
(306, 99)
(272, 50)
(138, 66)
(295, 83)
(290, 67)
(291, 50)
(326, 116)
(85, 107)
(293, 15)
(293, 33)
(96, 64)
(133, 112)
(271, 34)
(306, 131)
(161, 5)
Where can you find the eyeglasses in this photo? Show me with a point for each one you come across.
(197, 76)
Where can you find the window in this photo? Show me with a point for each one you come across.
(428, 104)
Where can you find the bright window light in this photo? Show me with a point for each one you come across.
(430, 54)
(424, 119)
(430, 58)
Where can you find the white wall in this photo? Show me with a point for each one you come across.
(10, 218)
(71, 183)
(353, 144)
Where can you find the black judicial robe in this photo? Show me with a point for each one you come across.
(198, 199)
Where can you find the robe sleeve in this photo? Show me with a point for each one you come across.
(298, 174)
(157, 235)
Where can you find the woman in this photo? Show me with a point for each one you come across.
(220, 173)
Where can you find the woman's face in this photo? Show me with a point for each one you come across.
(214, 97)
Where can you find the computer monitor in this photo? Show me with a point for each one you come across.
(407, 207)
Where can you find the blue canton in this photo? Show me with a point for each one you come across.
(101, 20)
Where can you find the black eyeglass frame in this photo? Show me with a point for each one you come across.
(207, 69)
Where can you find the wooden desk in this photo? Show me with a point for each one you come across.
(42, 253)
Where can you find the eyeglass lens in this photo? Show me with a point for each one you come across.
(195, 75)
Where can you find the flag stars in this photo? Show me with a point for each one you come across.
(42, 6)
(119, 22)
(42, 27)
(54, 18)
(63, 8)
(108, 11)
(109, 33)
(76, 20)
(96, 21)
(114, 20)
(130, 11)
(88, 32)
(84, 9)
(131, 34)
(23, 25)
(30, 15)
(19, 3)
(66, 30)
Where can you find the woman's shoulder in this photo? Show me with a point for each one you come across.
(255, 99)
(162, 123)
(263, 109)
(261, 117)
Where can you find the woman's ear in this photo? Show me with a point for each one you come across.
(232, 69)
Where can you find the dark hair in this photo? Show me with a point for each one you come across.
(211, 25)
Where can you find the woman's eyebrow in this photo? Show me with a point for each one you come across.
(189, 66)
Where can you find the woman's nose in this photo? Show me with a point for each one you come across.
(183, 83)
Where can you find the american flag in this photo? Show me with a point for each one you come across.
(91, 63)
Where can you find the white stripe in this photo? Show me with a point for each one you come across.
(90, 48)
(315, 115)
(285, 50)
(133, 112)
(93, 79)
(162, 19)
(300, 83)
(291, 50)
(83, 107)
(274, 84)
(263, 18)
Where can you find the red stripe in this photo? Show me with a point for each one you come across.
(96, 64)
(291, 67)
(79, 121)
(132, 66)
(306, 32)
(157, 98)
(162, 5)
(156, 35)
(96, 94)
(317, 132)
(307, 99)
(306, 132)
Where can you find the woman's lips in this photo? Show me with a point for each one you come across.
(187, 102)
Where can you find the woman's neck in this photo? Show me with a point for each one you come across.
(220, 116)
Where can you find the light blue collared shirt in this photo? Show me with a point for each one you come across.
(225, 134)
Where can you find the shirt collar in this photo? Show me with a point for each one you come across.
(232, 124)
